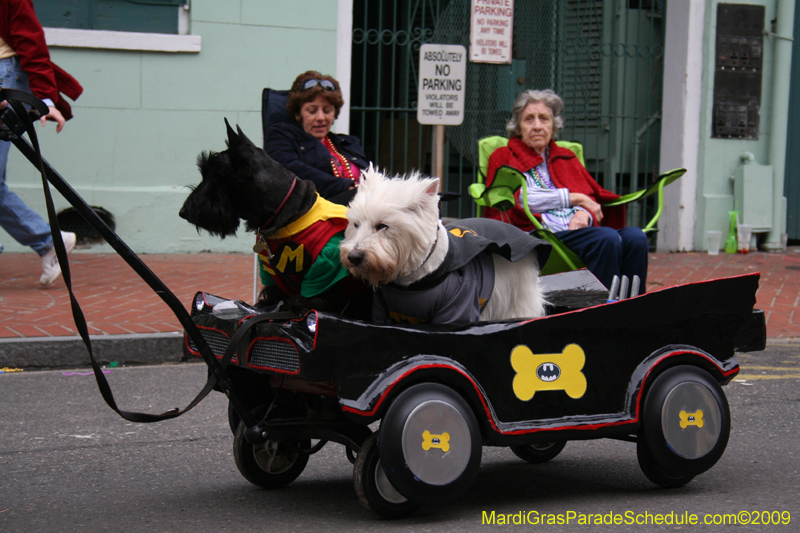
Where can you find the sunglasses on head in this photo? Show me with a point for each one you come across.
(325, 84)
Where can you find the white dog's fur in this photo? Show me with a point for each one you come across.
(516, 290)
(394, 235)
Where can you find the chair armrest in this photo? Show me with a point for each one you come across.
(476, 190)
(500, 194)
(662, 181)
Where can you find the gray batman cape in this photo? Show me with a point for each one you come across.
(459, 288)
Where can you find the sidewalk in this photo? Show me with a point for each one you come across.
(130, 324)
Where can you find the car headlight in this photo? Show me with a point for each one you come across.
(311, 322)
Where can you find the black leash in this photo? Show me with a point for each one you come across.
(17, 121)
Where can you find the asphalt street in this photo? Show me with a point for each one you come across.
(69, 463)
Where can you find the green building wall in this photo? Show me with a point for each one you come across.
(719, 160)
(145, 116)
(724, 174)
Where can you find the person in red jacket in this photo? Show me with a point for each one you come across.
(25, 65)
(563, 194)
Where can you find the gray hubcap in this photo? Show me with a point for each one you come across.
(691, 420)
(436, 442)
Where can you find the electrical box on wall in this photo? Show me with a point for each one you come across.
(738, 71)
(752, 189)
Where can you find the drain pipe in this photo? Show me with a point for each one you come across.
(784, 14)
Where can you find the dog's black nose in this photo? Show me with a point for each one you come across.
(183, 214)
(355, 257)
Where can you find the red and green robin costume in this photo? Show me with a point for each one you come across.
(303, 257)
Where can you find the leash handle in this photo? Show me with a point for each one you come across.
(26, 98)
(16, 121)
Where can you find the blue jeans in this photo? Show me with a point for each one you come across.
(608, 252)
(16, 218)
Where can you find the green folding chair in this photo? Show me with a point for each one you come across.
(486, 148)
(500, 196)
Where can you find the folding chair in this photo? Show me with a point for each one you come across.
(273, 108)
(507, 180)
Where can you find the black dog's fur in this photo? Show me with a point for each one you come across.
(243, 182)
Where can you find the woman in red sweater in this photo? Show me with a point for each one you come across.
(563, 194)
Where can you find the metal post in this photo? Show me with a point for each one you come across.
(438, 154)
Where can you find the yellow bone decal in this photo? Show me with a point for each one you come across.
(691, 419)
(540, 372)
(435, 441)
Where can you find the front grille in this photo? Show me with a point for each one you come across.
(217, 341)
(275, 355)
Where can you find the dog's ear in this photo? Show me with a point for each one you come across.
(370, 176)
(232, 137)
(433, 187)
(236, 138)
(242, 137)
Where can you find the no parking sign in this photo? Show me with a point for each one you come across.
(442, 73)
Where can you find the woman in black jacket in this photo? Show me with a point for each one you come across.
(306, 146)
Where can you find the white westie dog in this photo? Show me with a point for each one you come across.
(475, 269)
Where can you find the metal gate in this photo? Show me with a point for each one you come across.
(604, 57)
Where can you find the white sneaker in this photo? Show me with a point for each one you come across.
(50, 267)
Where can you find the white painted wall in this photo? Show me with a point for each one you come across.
(680, 133)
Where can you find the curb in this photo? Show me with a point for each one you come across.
(783, 341)
(70, 352)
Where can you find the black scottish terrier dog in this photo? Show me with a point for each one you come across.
(244, 183)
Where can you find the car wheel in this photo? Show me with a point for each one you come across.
(373, 488)
(656, 473)
(685, 425)
(430, 444)
(538, 453)
(272, 464)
